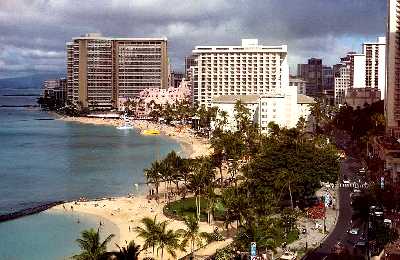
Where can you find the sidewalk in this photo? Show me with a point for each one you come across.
(315, 235)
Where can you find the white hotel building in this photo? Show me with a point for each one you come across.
(238, 70)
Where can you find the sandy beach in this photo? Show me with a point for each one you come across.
(127, 212)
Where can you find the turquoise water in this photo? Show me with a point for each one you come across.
(50, 160)
(47, 236)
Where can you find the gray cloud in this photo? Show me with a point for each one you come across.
(33, 32)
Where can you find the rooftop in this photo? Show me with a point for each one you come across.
(228, 99)
(303, 99)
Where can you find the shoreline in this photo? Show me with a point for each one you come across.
(191, 145)
(126, 212)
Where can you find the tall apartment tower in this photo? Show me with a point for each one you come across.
(238, 70)
(102, 70)
(343, 77)
(312, 74)
(392, 95)
(375, 64)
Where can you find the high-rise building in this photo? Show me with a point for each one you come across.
(238, 70)
(101, 70)
(312, 74)
(176, 78)
(375, 64)
(392, 95)
(342, 83)
(328, 81)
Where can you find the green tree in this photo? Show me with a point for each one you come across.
(92, 248)
(201, 178)
(154, 174)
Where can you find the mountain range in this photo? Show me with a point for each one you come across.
(34, 81)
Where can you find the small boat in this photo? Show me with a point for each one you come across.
(151, 132)
(126, 125)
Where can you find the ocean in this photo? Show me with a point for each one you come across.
(43, 161)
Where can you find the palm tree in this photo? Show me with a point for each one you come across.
(150, 232)
(168, 240)
(156, 234)
(129, 252)
(91, 246)
(192, 233)
(201, 178)
(154, 174)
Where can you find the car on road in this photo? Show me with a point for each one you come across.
(289, 256)
(346, 182)
(354, 231)
(356, 190)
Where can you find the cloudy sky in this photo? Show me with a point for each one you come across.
(33, 32)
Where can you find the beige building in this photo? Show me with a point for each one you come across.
(238, 70)
(392, 95)
(101, 70)
(359, 97)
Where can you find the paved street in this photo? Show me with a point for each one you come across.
(349, 169)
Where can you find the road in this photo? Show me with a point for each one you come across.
(349, 168)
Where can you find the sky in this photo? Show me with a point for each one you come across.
(33, 33)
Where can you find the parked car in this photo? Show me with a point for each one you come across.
(289, 256)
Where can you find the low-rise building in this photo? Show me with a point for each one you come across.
(387, 149)
(359, 97)
(282, 109)
(155, 96)
(227, 103)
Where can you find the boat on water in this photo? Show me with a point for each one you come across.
(126, 125)
(151, 132)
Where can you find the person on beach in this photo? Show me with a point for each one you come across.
(72, 208)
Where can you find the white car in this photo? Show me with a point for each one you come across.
(354, 231)
(346, 182)
(356, 191)
(289, 256)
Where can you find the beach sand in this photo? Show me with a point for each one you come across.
(127, 212)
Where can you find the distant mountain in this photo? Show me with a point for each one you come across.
(28, 82)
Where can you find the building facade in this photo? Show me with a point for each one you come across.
(299, 84)
(359, 97)
(342, 83)
(238, 70)
(392, 100)
(282, 109)
(375, 65)
(55, 89)
(101, 70)
(328, 81)
(312, 74)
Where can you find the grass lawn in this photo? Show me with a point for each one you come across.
(186, 207)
